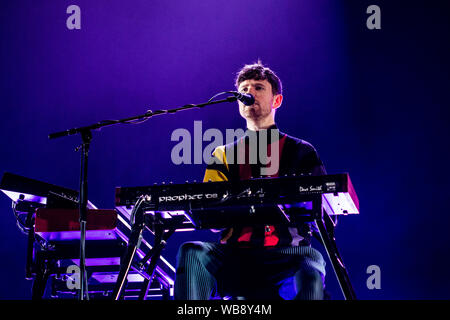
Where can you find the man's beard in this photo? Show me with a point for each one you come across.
(254, 112)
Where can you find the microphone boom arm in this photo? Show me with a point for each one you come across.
(142, 117)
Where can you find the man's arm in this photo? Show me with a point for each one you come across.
(217, 169)
(310, 161)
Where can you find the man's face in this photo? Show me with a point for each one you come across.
(264, 100)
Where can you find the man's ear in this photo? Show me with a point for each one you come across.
(277, 100)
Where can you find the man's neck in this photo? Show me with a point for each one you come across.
(256, 126)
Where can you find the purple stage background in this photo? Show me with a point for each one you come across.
(372, 102)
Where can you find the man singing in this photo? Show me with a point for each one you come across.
(257, 261)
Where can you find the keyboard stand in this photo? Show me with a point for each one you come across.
(162, 229)
(326, 232)
(133, 244)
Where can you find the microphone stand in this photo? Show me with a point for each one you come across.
(86, 137)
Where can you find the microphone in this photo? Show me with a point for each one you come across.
(245, 98)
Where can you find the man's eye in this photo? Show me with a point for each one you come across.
(259, 88)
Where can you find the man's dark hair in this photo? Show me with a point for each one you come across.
(258, 71)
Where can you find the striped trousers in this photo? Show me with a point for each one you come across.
(206, 270)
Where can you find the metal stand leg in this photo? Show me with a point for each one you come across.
(86, 137)
(40, 280)
(30, 252)
(328, 240)
(128, 259)
(160, 242)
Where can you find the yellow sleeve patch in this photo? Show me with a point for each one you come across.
(219, 153)
(214, 175)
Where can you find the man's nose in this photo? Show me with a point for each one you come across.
(252, 91)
